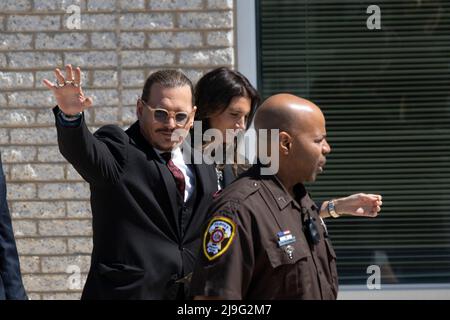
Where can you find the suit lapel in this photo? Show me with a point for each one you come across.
(206, 184)
(171, 189)
(164, 175)
(160, 198)
(203, 172)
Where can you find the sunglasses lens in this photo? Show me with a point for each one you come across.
(181, 118)
(160, 115)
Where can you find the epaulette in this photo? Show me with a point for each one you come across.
(245, 189)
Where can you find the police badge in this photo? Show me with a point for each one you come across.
(218, 237)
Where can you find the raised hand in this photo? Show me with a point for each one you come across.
(360, 204)
(67, 91)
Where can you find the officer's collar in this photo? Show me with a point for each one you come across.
(303, 197)
(283, 198)
(279, 193)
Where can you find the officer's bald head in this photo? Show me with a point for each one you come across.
(300, 145)
(285, 112)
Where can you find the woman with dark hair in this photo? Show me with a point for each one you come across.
(226, 100)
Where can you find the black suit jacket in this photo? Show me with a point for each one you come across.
(11, 286)
(139, 251)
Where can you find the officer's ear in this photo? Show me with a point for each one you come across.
(285, 143)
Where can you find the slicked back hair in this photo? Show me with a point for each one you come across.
(167, 78)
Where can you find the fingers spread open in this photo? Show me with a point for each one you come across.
(77, 76)
(69, 73)
(59, 76)
(49, 84)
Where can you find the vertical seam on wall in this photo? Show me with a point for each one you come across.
(176, 28)
(118, 12)
(234, 28)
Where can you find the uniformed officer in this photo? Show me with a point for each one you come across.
(265, 239)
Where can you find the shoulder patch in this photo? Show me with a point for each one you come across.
(218, 237)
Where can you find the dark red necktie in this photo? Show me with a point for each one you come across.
(176, 172)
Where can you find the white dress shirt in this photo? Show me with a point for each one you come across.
(189, 176)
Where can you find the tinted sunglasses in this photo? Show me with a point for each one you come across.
(163, 116)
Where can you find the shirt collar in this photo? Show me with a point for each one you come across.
(176, 153)
(282, 196)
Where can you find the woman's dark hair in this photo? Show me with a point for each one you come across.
(215, 90)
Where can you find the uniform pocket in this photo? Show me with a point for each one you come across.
(290, 277)
(279, 256)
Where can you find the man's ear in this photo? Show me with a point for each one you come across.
(139, 108)
(285, 142)
(194, 109)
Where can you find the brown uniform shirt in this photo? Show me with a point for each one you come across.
(256, 245)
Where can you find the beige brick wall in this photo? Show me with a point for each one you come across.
(120, 42)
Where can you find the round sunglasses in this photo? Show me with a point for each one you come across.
(163, 116)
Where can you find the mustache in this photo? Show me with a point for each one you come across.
(165, 130)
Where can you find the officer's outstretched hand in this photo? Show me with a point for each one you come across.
(360, 204)
(67, 91)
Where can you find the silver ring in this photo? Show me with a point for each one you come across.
(72, 82)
